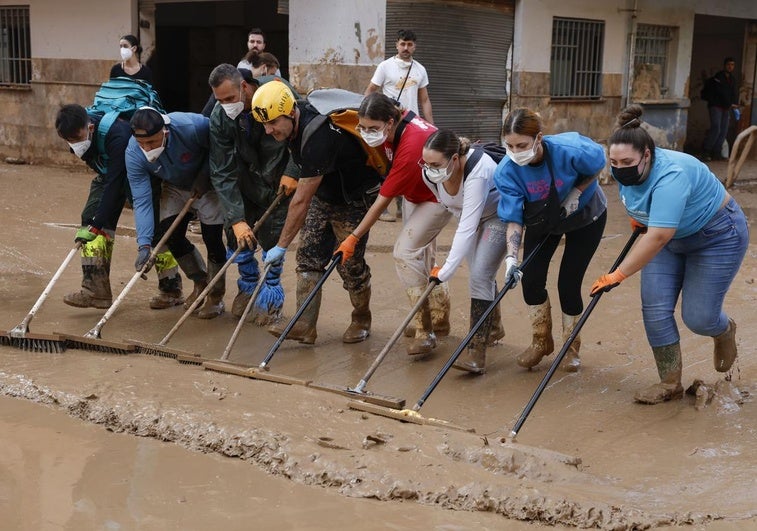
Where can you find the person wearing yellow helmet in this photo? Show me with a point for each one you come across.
(334, 192)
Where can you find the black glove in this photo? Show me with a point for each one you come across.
(143, 256)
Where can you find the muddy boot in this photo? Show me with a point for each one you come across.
(170, 293)
(496, 330)
(725, 348)
(474, 358)
(95, 285)
(439, 304)
(542, 343)
(425, 339)
(194, 268)
(668, 360)
(360, 327)
(571, 362)
(304, 330)
(213, 305)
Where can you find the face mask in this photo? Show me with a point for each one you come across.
(126, 54)
(438, 175)
(628, 176)
(522, 157)
(233, 110)
(402, 63)
(374, 138)
(80, 148)
(153, 154)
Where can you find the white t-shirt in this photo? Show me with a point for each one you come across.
(248, 66)
(390, 74)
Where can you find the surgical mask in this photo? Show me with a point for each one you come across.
(522, 157)
(233, 110)
(402, 63)
(438, 175)
(628, 176)
(153, 154)
(374, 138)
(80, 148)
(126, 54)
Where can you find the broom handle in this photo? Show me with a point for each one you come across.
(452, 359)
(95, 332)
(247, 308)
(569, 342)
(360, 388)
(37, 305)
(334, 262)
(220, 273)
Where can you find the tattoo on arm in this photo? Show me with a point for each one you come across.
(513, 235)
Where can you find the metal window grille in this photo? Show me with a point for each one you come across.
(15, 46)
(652, 46)
(576, 58)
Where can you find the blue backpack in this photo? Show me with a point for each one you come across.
(119, 97)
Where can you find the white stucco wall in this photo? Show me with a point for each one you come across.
(337, 32)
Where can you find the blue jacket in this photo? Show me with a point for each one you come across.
(184, 160)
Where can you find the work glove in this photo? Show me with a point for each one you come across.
(275, 256)
(434, 275)
(347, 247)
(143, 256)
(636, 225)
(287, 185)
(244, 235)
(570, 204)
(512, 271)
(87, 234)
(607, 282)
(201, 185)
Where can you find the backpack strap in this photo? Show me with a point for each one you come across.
(472, 161)
(312, 126)
(401, 126)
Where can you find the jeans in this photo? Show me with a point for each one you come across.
(486, 257)
(713, 141)
(701, 268)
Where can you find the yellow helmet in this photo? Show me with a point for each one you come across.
(271, 100)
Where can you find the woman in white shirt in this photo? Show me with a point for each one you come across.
(460, 176)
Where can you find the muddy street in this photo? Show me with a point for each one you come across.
(587, 456)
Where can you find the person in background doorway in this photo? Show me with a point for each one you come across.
(255, 46)
(130, 66)
(722, 95)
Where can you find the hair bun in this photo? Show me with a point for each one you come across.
(630, 117)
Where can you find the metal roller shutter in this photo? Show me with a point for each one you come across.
(464, 49)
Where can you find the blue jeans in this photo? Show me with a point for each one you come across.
(713, 141)
(701, 268)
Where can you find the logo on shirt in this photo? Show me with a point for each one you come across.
(186, 157)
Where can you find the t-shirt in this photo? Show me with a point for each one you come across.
(390, 74)
(144, 73)
(405, 176)
(336, 155)
(680, 193)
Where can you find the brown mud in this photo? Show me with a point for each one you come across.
(587, 457)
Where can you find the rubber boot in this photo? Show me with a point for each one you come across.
(571, 362)
(496, 330)
(213, 305)
(95, 285)
(474, 358)
(439, 304)
(725, 348)
(425, 339)
(542, 343)
(360, 327)
(668, 360)
(304, 330)
(169, 282)
(194, 268)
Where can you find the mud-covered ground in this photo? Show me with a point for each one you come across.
(587, 456)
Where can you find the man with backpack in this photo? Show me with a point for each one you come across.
(334, 192)
(174, 148)
(721, 93)
(248, 169)
(103, 151)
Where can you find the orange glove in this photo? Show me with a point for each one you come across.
(636, 225)
(287, 185)
(607, 282)
(244, 234)
(347, 247)
(434, 275)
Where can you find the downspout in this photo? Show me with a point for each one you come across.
(625, 99)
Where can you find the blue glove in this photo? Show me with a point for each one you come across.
(143, 255)
(737, 114)
(275, 255)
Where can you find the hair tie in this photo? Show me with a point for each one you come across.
(629, 122)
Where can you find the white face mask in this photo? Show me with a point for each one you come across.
(233, 110)
(402, 63)
(374, 138)
(80, 148)
(126, 54)
(153, 154)
(522, 157)
(438, 175)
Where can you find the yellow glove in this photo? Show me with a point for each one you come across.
(244, 234)
(287, 184)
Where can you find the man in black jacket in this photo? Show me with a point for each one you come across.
(721, 92)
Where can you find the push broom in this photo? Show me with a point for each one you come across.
(93, 340)
(21, 337)
(161, 349)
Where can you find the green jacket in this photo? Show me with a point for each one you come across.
(245, 162)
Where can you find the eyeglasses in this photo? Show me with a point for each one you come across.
(424, 165)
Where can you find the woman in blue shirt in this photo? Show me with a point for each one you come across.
(695, 237)
(548, 183)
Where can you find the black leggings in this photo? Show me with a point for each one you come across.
(179, 245)
(580, 246)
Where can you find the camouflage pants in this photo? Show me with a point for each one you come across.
(326, 225)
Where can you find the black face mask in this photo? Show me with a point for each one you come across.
(628, 176)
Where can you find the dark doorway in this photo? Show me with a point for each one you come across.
(193, 37)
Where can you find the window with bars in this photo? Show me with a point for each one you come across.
(576, 58)
(651, 51)
(15, 46)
